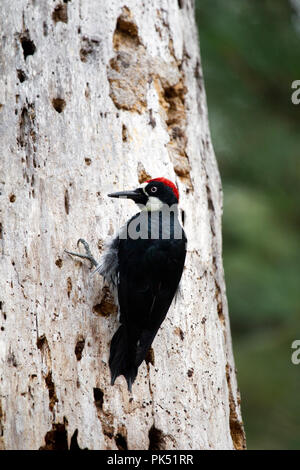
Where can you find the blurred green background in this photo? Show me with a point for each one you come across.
(251, 55)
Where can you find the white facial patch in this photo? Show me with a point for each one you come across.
(154, 204)
(143, 186)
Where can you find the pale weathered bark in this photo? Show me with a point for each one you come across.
(96, 97)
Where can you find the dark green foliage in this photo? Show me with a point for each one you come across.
(251, 55)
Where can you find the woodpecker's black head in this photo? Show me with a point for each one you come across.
(152, 194)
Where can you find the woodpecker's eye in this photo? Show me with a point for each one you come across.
(153, 189)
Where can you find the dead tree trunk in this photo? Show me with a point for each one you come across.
(96, 97)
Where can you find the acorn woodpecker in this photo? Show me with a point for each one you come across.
(144, 263)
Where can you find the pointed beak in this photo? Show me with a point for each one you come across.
(137, 195)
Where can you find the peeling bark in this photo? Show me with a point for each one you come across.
(96, 99)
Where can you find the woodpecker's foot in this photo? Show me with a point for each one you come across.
(88, 255)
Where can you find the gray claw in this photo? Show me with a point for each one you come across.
(88, 255)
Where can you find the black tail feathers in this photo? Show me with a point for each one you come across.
(122, 359)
